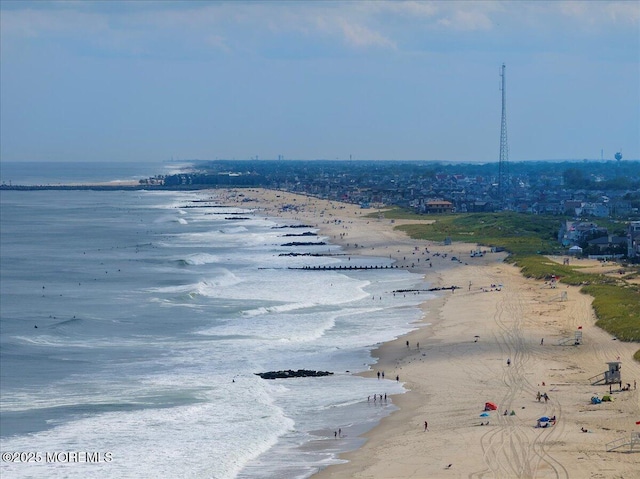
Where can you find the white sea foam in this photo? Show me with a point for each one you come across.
(201, 258)
(212, 438)
(282, 308)
(151, 370)
(209, 288)
(234, 230)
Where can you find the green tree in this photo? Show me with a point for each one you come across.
(575, 178)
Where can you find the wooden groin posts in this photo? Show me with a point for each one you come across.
(345, 268)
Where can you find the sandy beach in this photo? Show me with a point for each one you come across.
(499, 338)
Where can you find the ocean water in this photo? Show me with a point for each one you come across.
(54, 173)
(133, 323)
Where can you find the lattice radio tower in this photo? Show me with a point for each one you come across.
(504, 145)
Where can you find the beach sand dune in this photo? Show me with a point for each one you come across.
(499, 338)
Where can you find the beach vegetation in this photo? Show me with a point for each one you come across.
(517, 233)
(616, 302)
(529, 239)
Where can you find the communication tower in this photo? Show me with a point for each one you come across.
(504, 146)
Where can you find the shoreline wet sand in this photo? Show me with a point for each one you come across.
(496, 315)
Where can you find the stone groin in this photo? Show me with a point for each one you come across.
(443, 288)
(345, 268)
(291, 226)
(296, 243)
(289, 373)
(306, 233)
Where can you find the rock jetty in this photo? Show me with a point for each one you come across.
(306, 233)
(297, 243)
(300, 373)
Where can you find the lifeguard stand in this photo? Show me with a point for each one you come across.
(612, 375)
(576, 340)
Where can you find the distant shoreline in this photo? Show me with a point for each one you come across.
(120, 186)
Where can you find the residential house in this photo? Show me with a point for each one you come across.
(438, 207)
(633, 236)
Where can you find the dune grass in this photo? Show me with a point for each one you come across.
(528, 239)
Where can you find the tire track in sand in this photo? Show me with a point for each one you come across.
(514, 448)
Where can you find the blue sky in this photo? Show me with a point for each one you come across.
(382, 80)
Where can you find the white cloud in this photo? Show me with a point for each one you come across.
(412, 9)
(466, 20)
(35, 23)
(244, 26)
(605, 14)
(359, 36)
(217, 42)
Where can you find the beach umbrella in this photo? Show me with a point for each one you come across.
(484, 414)
(490, 405)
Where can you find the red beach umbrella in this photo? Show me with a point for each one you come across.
(490, 406)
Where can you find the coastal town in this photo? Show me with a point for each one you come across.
(592, 189)
(597, 203)
(600, 200)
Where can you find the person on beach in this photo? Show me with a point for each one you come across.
(542, 342)
(339, 432)
(407, 344)
(509, 362)
(382, 374)
(378, 374)
(426, 426)
(398, 380)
